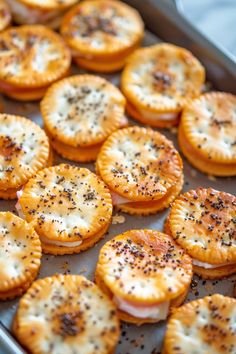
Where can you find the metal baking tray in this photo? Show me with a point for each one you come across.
(162, 21)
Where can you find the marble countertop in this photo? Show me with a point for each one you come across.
(215, 19)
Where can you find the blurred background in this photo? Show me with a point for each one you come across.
(215, 18)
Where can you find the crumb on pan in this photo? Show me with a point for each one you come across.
(118, 219)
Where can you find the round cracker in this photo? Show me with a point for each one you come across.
(11, 193)
(20, 94)
(24, 149)
(209, 125)
(102, 28)
(32, 56)
(154, 120)
(20, 254)
(82, 110)
(101, 66)
(203, 326)
(66, 204)
(68, 311)
(87, 243)
(152, 207)
(125, 316)
(161, 78)
(139, 164)
(5, 15)
(207, 166)
(18, 291)
(215, 273)
(144, 267)
(78, 154)
(202, 221)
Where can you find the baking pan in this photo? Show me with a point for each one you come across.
(163, 22)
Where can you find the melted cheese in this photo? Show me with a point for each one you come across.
(158, 116)
(210, 266)
(18, 206)
(157, 311)
(59, 243)
(118, 199)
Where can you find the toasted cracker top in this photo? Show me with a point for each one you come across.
(66, 203)
(209, 124)
(20, 251)
(139, 163)
(82, 110)
(162, 78)
(5, 15)
(203, 222)
(32, 56)
(24, 149)
(205, 326)
(98, 27)
(66, 313)
(145, 267)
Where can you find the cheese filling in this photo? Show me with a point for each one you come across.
(27, 15)
(210, 266)
(118, 199)
(18, 206)
(60, 243)
(158, 116)
(156, 312)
